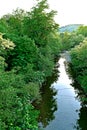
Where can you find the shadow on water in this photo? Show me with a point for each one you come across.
(48, 104)
(82, 120)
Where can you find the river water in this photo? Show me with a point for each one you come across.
(61, 107)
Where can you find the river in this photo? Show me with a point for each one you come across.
(61, 107)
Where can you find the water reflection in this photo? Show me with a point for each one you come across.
(61, 107)
(48, 104)
(82, 120)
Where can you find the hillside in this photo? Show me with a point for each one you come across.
(69, 28)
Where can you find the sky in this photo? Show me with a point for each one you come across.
(69, 11)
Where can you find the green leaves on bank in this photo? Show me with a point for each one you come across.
(79, 62)
(29, 43)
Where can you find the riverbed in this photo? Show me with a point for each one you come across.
(61, 107)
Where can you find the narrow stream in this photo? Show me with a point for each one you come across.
(61, 107)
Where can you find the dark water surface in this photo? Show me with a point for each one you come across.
(61, 107)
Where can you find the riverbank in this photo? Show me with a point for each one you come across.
(79, 64)
(60, 101)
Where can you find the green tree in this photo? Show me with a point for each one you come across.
(25, 64)
(38, 24)
(70, 40)
(78, 58)
(82, 30)
(16, 111)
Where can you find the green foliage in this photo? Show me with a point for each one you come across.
(3, 26)
(32, 32)
(16, 111)
(54, 41)
(15, 96)
(2, 63)
(12, 22)
(30, 75)
(82, 30)
(78, 58)
(25, 52)
(38, 24)
(25, 65)
(70, 40)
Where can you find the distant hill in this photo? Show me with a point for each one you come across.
(69, 28)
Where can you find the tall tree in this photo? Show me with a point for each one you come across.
(38, 24)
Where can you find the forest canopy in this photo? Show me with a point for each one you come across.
(29, 43)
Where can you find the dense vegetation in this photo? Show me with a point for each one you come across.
(70, 40)
(76, 43)
(79, 59)
(29, 43)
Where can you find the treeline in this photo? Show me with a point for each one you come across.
(70, 40)
(29, 43)
(79, 59)
(76, 43)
